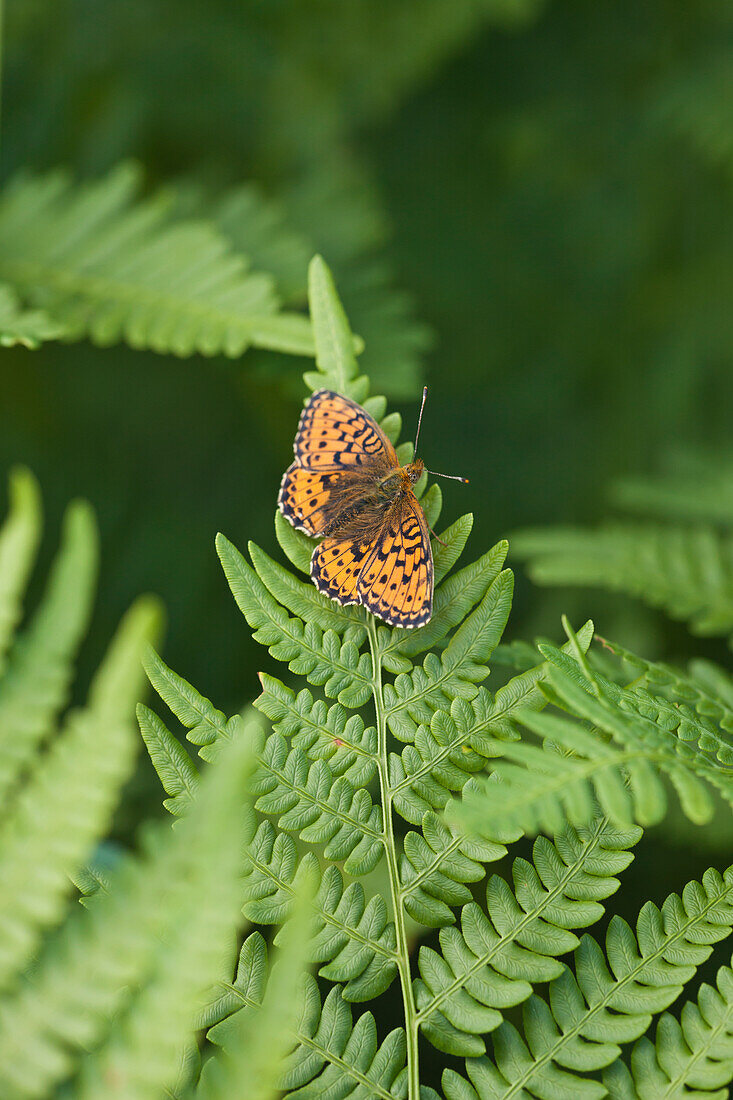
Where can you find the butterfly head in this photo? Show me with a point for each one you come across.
(414, 470)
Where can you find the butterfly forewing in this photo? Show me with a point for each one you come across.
(335, 432)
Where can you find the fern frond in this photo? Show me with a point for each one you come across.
(414, 696)
(435, 866)
(255, 1041)
(141, 1054)
(323, 658)
(322, 732)
(490, 962)
(38, 672)
(109, 958)
(686, 571)
(609, 1000)
(325, 1035)
(28, 327)
(543, 786)
(19, 537)
(174, 766)
(692, 707)
(352, 938)
(304, 795)
(67, 802)
(455, 746)
(692, 1057)
(105, 264)
(697, 487)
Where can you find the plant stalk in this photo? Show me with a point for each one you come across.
(403, 965)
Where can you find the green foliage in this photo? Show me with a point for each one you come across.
(691, 1057)
(355, 808)
(685, 569)
(29, 327)
(394, 726)
(104, 263)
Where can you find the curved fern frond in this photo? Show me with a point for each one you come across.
(19, 537)
(686, 571)
(620, 767)
(692, 1057)
(107, 985)
(67, 801)
(36, 679)
(490, 962)
(444, 756)
(609, 1000)
(28, 327)
(106, 264)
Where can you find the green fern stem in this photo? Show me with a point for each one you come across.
(403, 955)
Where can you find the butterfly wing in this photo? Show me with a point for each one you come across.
(396, 579)
(335, 568)
(334, 432)
(337, 446)
(308, 498)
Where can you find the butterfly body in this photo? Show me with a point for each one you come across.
(347, 487)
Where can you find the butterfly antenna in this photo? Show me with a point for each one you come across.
(451, 477)
(419, 419)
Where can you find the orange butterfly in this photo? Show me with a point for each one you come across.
(346, 486)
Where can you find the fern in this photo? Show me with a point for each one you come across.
(607, 1000)
(686, 570)
(103, 263)
(642, 737)
(29, 327)
(691, 1057)
(384, 725)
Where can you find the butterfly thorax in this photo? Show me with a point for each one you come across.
(368, 497)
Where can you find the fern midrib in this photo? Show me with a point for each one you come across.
(301, 643)
(434, 865)
(374, 1089)
(352, 932)
(457, 742)
(24, 272)
(324, 733)
(402, 946)
(517, 1086)
(533, 914)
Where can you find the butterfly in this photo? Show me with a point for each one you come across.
(347, 487)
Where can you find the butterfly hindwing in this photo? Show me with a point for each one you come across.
(307, 498)
(335, 568)
(334, 432)
(396, 580)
